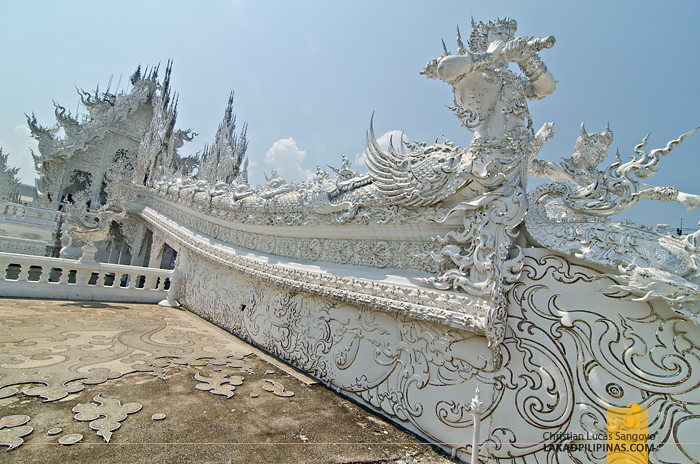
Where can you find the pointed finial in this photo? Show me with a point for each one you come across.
(462, 49)
(608, 135)
(444, 47)
(477, 406)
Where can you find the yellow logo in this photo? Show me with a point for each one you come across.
(628, 435)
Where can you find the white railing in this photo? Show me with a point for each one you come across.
(28, 213)
(26, 276)
(23, 245)
(27, 229)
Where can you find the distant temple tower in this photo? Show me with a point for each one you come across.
(115, 128)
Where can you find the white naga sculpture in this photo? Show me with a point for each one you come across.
(485, 183)
(571, 215)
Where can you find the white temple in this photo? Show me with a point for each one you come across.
(433, 278)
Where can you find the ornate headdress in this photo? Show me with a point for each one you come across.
(479, 39)
(596, 140)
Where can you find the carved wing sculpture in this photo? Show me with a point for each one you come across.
(422, 177)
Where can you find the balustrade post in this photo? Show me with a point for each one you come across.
(23, 273)
(174, 290)
(63, 280)
(45, 273)
(88, 254)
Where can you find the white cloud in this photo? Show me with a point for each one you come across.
(360, 161)
(22, 131)
(287, 158)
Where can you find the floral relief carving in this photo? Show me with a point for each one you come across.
(565, 361)
(424, 303)
(388, 361)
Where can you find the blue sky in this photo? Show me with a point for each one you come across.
(308, 75)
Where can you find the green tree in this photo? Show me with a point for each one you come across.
(9, 184)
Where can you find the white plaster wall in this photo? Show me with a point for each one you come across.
(570, 353)
(415, 372)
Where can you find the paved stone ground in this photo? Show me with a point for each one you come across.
(222, 400)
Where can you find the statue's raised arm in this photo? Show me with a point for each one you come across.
(482, 82)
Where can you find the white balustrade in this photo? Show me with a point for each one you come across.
(26, 276)
(16, 210)
(27, 229)
(23, 245)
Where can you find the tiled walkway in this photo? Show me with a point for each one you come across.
(144, 383)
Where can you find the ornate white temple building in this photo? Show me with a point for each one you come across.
(503, 324)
